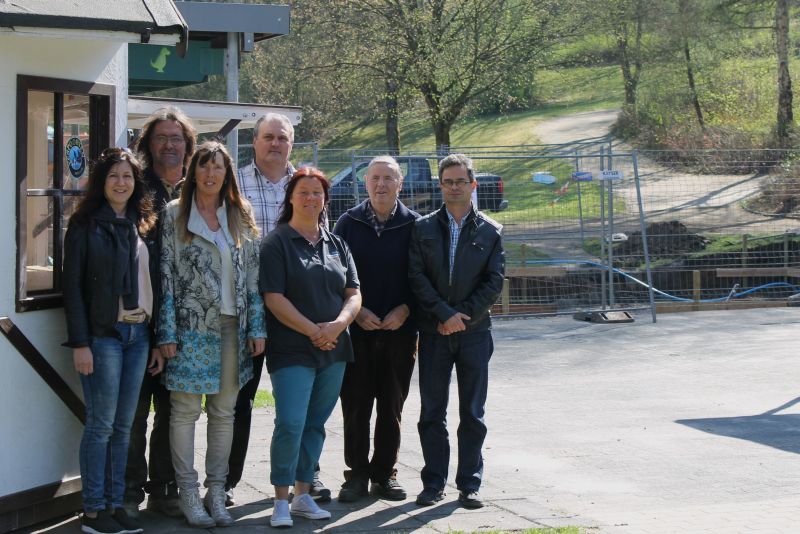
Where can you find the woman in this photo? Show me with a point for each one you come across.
(108, 301)
(310, 288)
(211, 321)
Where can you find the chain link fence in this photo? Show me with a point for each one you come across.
(720, 227)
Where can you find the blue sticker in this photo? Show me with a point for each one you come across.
(76, 158)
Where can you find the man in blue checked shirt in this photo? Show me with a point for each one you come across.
(456, 270)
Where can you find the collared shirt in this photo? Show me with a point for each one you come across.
(265, 197)
(455, 232)
(373, 217)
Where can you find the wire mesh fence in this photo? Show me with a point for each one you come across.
(721, 227)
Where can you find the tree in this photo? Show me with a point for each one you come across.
(750, 14)
(449, 51)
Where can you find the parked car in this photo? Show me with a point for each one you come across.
(420, 188)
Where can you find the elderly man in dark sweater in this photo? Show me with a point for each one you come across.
(384, 336)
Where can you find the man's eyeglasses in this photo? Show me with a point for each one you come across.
(173, 139)
(450, 184)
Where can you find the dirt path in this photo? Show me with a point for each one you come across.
(576, 127)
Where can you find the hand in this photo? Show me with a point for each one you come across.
(256, 345)
(453, 324)
(395, 318)
(169, 350)
(368, 320)
(156, 364)
(327, 335)
(83, 360)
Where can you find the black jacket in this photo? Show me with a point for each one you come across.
(478, 271)
(93, 265)
(381, 261)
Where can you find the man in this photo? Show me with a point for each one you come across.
(456, 269)
(384, 338)
(263, 183)
(165, 147)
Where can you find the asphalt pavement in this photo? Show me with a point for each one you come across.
(688, 425)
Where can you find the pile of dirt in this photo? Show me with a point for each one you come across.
(664, 240)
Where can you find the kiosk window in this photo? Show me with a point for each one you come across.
(61, 126)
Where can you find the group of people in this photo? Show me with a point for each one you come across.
(182, 277)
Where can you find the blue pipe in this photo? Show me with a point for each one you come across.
(732, 294)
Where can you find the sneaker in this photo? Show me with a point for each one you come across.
(214, 502)
(389, 489)
(470, 499)
(128, 523)
(304, 506)
(229, 500)
(131, 508)
(280, 514)
(318, 491)
(192, 508)
(168, 506)
(353, 488)
(102, 523)
(429, 496)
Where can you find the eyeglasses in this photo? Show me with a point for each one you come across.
(454, 183)
(173, 139)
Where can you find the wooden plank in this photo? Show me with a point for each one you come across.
(551, 272)
(758, 271)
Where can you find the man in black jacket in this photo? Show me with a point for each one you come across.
(165, 147)
(456, 270)
(384, 337)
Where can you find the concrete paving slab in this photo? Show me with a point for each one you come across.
(688, 425)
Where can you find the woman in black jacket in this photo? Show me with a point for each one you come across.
(108, 301)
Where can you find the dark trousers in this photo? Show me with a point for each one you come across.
(470, 353)
(241, 425)
(162, 474)
(380, 375)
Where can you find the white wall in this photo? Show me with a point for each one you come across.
(39, 437)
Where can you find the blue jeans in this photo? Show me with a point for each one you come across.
(304, 399)
(111, 393)
(470, 353)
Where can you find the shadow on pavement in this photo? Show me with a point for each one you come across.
(780, 431)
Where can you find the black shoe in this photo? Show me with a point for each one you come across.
(389, 489)
(429, 497)
(470, 499)
(318, 491)
(353, 489)
(130, 525)
(229, 500)
(103, 523)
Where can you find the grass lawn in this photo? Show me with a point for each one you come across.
(263, 399)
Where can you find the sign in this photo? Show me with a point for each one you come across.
(610, 175)
(76, 157)
(158, 67)
(582, 176)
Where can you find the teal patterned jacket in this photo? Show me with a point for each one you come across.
(190, 304)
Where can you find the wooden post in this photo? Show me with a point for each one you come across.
(696, 289)
(505, 299)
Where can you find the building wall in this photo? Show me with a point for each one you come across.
(39, 437)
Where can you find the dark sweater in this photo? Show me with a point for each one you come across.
(381, 261)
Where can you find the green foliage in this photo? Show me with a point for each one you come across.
(263, 399)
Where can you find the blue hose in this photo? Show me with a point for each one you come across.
(732, 294)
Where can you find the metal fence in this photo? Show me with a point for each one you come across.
(720, 226)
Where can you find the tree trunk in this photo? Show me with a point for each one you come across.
(692, 89)
(441, 130)
(392, 119)
(785, 116)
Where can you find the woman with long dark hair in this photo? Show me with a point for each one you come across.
(310, 288)
(108, 302)
(211, 321)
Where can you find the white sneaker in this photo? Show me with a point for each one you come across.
(192, 508)
(304, 506)
(280, 514)
(214, 502)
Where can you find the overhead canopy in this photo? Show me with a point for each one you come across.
(148, 19)
(214, 20)
(206, 115)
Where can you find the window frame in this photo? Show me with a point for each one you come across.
(101, 131)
